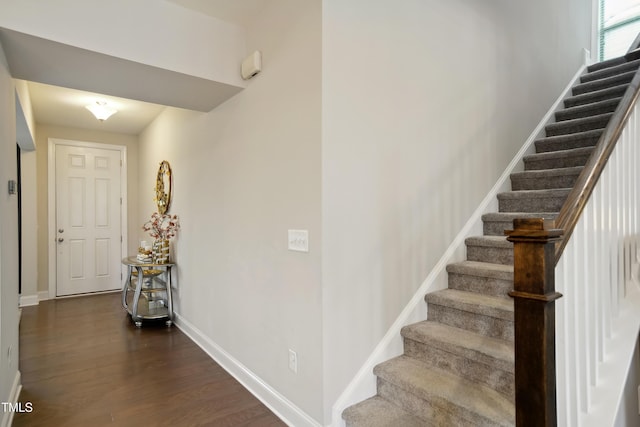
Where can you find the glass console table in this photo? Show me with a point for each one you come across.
(146, 294)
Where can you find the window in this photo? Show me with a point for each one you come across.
(619, 26)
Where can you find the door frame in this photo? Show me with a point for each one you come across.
(51, 209)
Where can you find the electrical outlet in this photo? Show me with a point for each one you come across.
(293, 361)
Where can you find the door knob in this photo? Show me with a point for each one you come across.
(60, 230)
(60, 240)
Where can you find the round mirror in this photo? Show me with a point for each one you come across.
(163, 187)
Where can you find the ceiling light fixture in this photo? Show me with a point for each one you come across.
(101, 110)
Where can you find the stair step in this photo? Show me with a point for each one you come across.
(557, 159)
(533, 200)
(598, 95)
(609, 63)
(379, 412)
(603, 83)
(483, 314)
(545, 179)
(488, 361)
(440, 398)
(495, 223)
(482, 277)
(568, 142)
(582, 124)
(490, 249)
(610, 71)
(588, 110)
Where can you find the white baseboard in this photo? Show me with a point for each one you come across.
(27, 300)
(277, 403)
(363, 385)
(14, 394)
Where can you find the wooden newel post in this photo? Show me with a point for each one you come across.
(534, 320)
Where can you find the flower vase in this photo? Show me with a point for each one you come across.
(161, 251)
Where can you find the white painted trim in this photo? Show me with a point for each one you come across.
(51, 191)
(363, 385)
(276, 402)
(14, 394)
(43, 295)
(27, 300)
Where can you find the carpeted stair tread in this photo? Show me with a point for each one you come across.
(487, 350)
(489, 241)
(469, 355)
(482, 276)
(598, 95)
(557, 159)
(436, 395)
(610, 71)
(568, 142)
(483, 269)
(495, 223)
(609, 63)
(587, 110)
(379, 412)
(614, 80)
(472, 302)
(545, 179)
(582, 124)
(489, 249)
(533, 200)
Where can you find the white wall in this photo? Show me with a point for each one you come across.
(244, 174)
(8, 240)
(25, 136)
(43, 133)
(29, 187)
(424, 104)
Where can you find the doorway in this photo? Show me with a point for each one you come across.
(87, 217)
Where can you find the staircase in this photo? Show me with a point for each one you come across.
(458, 366)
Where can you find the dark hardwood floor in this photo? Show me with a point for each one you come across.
(84, 363)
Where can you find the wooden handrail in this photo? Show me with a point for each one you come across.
(582, 189)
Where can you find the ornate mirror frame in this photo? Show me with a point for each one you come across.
(164, 186)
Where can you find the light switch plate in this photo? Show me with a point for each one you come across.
(299, 240)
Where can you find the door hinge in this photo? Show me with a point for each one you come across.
(120, 162)
(120, 201)
(120, 239)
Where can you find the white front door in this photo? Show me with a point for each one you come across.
(88, 219)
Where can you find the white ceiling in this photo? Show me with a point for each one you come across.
(54, 105)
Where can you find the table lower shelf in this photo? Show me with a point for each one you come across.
(149, 308)
(147, 313)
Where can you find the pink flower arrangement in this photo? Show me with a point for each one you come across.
(162, 226)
